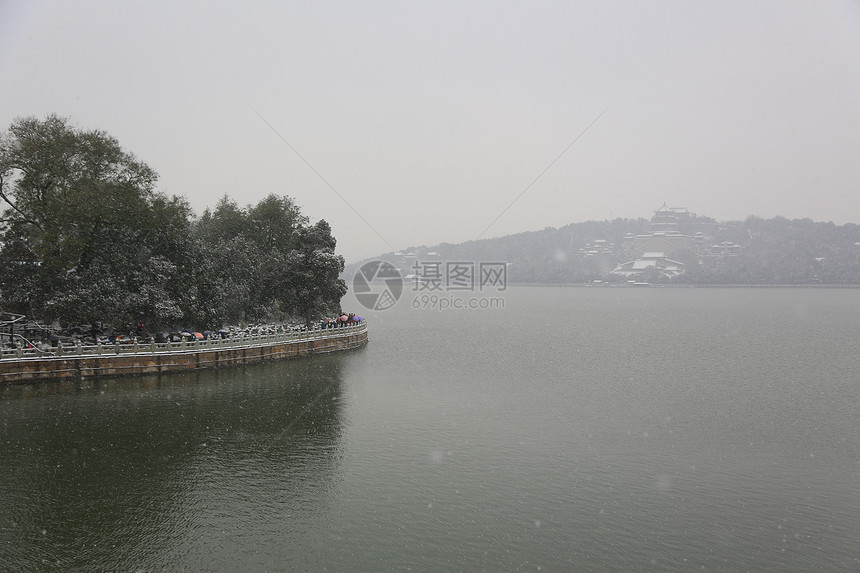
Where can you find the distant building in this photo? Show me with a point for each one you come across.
(652, 250)
(725, 249)
(660, 242)
(670, 218)
(666, 266)
(665, 236)
(597, 247)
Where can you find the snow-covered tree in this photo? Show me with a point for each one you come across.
(86, 236)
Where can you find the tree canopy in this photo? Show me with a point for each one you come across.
(268, 260)
(85, 236)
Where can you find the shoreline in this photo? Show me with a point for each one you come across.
(658, 285)
(78, 363)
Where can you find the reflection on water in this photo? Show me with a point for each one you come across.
(576, 430)
(124, 473)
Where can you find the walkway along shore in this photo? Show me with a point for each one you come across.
(79, 362)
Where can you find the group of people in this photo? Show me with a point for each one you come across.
(95, 333)
(342, 320)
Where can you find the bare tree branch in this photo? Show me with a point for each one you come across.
(14, 207)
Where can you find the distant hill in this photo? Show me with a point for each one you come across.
(673, 247)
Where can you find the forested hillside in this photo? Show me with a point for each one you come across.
(754, 251)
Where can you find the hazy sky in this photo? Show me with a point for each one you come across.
(430, 118)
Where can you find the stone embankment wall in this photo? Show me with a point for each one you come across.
(79, 362)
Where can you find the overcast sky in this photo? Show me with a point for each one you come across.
(414, 123)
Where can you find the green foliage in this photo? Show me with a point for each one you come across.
(85, 237)
(312, 277)
(81, 220)
(266, 262)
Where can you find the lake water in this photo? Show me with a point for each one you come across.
(577, 429)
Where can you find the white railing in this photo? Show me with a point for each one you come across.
(136, 347)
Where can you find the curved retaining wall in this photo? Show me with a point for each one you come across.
(119, 360)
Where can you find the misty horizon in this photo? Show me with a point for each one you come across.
(414, 125)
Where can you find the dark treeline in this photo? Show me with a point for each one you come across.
(85, 237)
(775, 251)
(780, 251)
